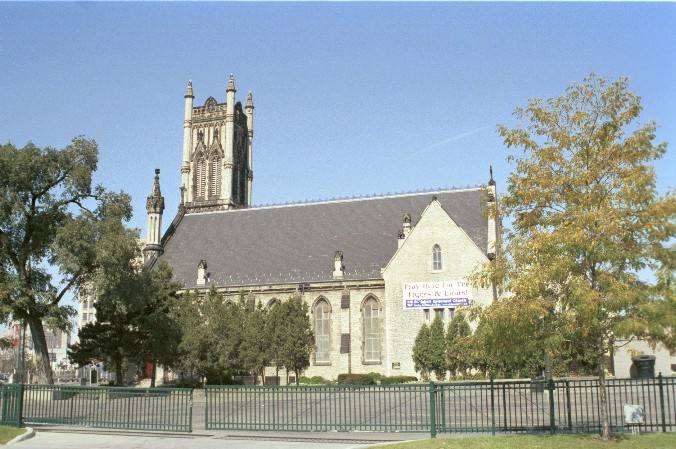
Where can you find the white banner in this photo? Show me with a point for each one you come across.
(431, 295)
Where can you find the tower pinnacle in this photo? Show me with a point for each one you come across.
(155, 202)
(188, 90)
(154, 207)
(231, 83)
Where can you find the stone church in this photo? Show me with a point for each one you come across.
(372, 270)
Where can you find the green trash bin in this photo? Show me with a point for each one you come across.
(645, 366)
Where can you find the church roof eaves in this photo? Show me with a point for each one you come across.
(314, 202)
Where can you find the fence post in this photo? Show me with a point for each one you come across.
(492, 407)
(433, 410)
(568, 407)
(19, 406)
(190, 396)
(661, 384)
(552, 420)
(443, 409)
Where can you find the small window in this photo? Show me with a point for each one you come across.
(427, 315)
(451, 314)
(439, 313)
(436, 258)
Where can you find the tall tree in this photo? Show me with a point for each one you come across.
(255, 351)
(133, 324)
(458, 353)
(298, 338)
(421, 352)
(437, 348)
(159, 332)
(587, 219)
(274, 333)
(50, 215)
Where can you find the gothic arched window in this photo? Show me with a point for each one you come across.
(371, 316)
(273, 302)
(436, 257)
(215, 176)
(200, 176)
(322, 330)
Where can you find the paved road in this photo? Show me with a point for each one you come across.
(70, 440)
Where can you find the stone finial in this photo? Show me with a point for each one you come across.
(188, 90)
(155, 202)
(338, 267)
(231, 83)
(491, 181)
(249, 101)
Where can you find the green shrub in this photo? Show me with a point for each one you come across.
(357, 379)
(314, 380)
(397, 380)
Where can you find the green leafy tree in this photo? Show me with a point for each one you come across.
(274, 333)
(255, 351)
(421, 352)
(297, 342)
(133, 324)
(197, 316)
(159, 333)
(437, 348)
(458, 345)
(50, 215)
(586, 219)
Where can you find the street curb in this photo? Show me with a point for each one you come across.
(29, 433)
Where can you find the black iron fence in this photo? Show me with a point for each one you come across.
(505, 406)
(557, 406)
(163, 409)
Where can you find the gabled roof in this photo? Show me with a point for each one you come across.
(297, 243)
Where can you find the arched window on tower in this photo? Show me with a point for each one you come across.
(215, 176)
(371, 342)
(322, 330)
(436, 258)
(200, 176)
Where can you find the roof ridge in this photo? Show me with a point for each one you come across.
(347, 199)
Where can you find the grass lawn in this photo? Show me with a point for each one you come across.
(7, 433)
(646, 441)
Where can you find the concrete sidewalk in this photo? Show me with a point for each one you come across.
(53, 438)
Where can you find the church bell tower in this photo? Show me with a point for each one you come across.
(217, 150)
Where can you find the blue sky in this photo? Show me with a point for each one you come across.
(351, 98)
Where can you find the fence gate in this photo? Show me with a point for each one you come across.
(167, 409)
(381, 408)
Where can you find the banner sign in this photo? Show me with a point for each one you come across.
(436, 294)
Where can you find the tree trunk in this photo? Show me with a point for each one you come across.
(603, 399)
(40, 345)
(152, 380)
(119, 381)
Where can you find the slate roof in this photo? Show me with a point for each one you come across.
(296, 243)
